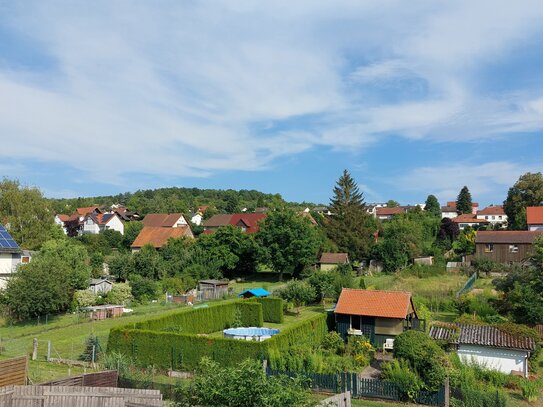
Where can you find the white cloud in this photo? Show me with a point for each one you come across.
(186, 89)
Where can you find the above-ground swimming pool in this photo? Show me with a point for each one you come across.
(250, 334)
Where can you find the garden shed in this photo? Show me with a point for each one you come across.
(99, 312)
(378, 315)
(254, 292)
(487, 346)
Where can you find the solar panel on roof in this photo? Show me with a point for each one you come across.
(6, 241)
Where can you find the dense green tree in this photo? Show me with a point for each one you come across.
(120, 265)
(144, 289)
(244, 385)
(527, 191)
(148, 263)
(26, 213)
(298, 293)
(289, 242)
(463, 202)
(113, 238)
(131, 231)
(465, 243)
(47, 284)
(432, 206)
(350, 227)
(448, 231)
(237, 251)
(231, 202)
(391, 203)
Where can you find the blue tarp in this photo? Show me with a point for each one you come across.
(257, 292)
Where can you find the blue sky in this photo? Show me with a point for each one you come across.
(412, 97)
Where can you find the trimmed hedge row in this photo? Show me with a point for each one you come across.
(272, 309)
(184, 351)
(213, 318)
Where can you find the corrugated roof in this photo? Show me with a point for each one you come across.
(165, 220)
(374, 303)
(482, 335)
(158, 236)
(334, 258)
(506, 236)
(534, 215)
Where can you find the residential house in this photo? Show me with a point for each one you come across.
(254, 292)
(165, 220)
(159, 236)
(474, 206)
(11, 256)
(505, 246)
(248, 222)
(377, 315)
(449, 212)
(96, 223)
(487, 346)
(322, 210)
(386, 213)
(468, 219)
(62, 219)
(198, 217)
(125, 214)
(100, 286)
(534, 217)
(330, 261)
(493, 214)
(83, 212)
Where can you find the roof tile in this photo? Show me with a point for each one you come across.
(374, 303)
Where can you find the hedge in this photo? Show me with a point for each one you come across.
(213, 318)
(272, 309)
(184, 350)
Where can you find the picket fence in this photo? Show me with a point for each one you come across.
(363, 387)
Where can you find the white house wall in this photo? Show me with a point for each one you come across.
(8, 265)
(535, 227)
(116, 224)
(503, 360)
(90, 227)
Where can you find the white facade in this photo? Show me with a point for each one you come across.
(116, 224)
(535, 227)
(92, 227)
(197, 219)
(180, 222)
(8, 265)
(503, 360)
(493, 219)
(449, 214)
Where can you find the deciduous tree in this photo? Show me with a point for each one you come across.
(527, 191)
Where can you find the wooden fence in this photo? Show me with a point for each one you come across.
(108, 378)
(13, 371)
(339, 400)
(70, 396)
(365, 388)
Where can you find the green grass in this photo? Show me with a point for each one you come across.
(267, 280)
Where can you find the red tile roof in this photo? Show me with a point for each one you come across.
(506, 236)
(534, 215)
(468, 218)
(87, 210)
(165, 220)
(63, 218)
(334, 258)
(389, 211)
(158, 236)
(249, 220)
(492, 210)
(374, 303)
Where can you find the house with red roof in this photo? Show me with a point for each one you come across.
(165, 220)
(95, 223)
(467, 219)
(386, 213)
(158, 236)
(534, 217)
(375, 314)
(494, 214)
(248, 222)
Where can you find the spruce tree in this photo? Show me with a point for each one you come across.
(463, 202)
(350, 226)
(432, 206)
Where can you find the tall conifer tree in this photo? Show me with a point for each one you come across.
(463, 202)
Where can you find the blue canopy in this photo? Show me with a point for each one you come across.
(257, 292)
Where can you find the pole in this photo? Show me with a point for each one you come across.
(48, 350)
(35, 349)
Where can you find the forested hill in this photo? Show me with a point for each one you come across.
(180, 200)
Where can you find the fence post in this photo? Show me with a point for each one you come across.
(48, 350)
(35, 349)
(447, 393)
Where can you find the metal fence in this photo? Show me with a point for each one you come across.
(468, 286)
(362, 387)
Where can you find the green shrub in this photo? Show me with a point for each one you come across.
(333, 342)
(424, 356)
(398, 372)
(530, 389)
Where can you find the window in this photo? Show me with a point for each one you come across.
(489, 248)
(513, 248)
(486, 217)
(355, 322)
(25, 259)
(500, 217)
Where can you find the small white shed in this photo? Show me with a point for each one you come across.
(488, 346)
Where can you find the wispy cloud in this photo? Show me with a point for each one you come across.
(186, 89)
